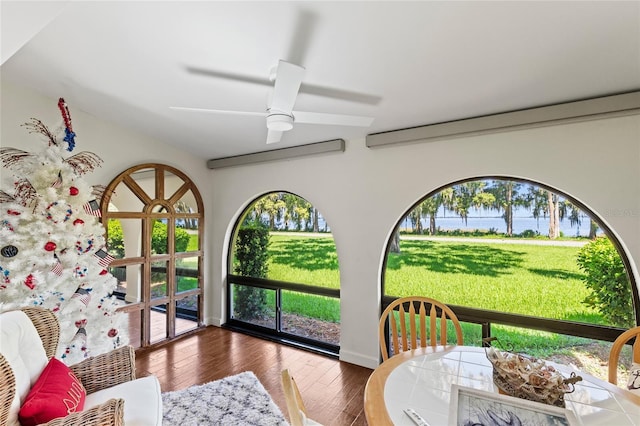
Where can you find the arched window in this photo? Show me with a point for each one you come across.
(154, 219)
(512, 258)
(284, 281)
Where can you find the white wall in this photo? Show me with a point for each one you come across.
(363, 192)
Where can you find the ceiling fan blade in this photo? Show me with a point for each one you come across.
(229, 76)
(335, 119)
(288, 80)
(274, 136)
(219, 111)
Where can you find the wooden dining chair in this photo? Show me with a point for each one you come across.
(295, 404)
(412, 312)
(617, 346)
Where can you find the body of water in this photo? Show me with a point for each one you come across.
(449, 221)
(520, 224)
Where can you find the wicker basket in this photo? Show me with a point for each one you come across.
(529, 378)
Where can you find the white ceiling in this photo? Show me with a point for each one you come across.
(404, 63)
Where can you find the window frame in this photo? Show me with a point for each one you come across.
(149, 214)
(276, 334)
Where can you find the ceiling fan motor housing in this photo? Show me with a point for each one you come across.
(279, 121)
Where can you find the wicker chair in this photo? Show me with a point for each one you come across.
(403, 339)
(97, 374)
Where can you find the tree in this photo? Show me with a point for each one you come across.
(553, 203)
(467, 195)
(415, 216)
(251, 257)
(593, 229)
(574, 215)
(182, 207)
(536, 200)
(543, 202)
(506, 197)
(606, 277)
(271, 205)
(53, 247)
(295, 210)
(395, 242)
(431, 206)
(316, 219)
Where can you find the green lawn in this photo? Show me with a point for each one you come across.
(193, 240)
(304, 260)
(517, 278)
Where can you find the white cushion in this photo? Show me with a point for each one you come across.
(142, 401)
(20, 344)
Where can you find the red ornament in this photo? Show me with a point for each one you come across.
(13, 212)
(50, 246)
(78, 222)
(73, 191)
(104, 272)
(112, 333)
(30, 282)
(81, 323)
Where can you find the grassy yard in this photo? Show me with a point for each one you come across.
(517, 278)
(304, 260)
(525, 279)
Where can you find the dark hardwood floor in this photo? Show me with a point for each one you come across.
(332, 390)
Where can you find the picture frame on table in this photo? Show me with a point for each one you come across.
(473, 406)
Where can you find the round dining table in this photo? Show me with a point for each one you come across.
(421, 379)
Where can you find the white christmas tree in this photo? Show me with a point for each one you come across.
(52, 246)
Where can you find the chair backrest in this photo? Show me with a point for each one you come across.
(617, 346)
(412, 313)
(28, 338)
(295, 405)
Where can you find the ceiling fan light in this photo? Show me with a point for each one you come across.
(279, 122)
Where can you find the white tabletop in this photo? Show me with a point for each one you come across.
(424, 384)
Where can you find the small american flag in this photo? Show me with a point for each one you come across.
(57, 268)
(58, 182)
(93, 208)
(104, 258)
(82, 295)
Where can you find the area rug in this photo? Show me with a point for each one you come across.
(239, 400)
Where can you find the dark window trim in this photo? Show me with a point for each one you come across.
(276, 334)
(488, 317)
(285, 285)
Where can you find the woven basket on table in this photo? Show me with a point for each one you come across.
(529, 378)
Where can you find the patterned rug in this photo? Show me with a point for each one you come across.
(238, 400)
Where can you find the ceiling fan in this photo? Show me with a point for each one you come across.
(280, 116)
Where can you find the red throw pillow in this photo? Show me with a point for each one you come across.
(56, 393)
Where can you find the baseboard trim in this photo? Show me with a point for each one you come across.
(358, 359)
